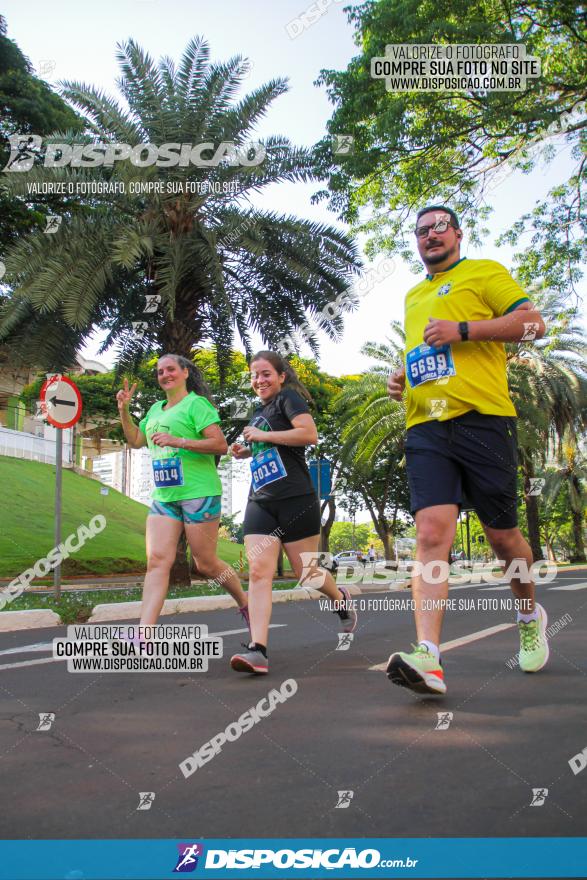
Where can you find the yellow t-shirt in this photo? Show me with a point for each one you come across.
(471, 375)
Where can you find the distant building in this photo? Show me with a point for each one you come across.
(25, 434)
(225, 474)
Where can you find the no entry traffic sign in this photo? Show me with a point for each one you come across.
(61, 402)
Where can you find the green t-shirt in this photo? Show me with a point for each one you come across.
(187, 419)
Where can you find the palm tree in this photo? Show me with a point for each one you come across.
(217, 262)
(548, 384)
(372, 458)
(572, 473)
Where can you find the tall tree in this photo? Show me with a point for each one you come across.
(27, 106)
(409, 145)
(214, 262)
(548, 383)
(372, 449)
(572, 476)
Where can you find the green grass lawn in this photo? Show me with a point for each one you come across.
(27, 522)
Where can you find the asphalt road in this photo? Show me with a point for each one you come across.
(346, 729)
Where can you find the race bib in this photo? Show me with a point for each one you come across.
(167, 472)
(424, 364)
(267, 467)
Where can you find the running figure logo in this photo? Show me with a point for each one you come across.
(444, 719)
(342, 144)
(312, 575)
(152, 302)
(344, 800)
(436, 407)
(52, 223)
(146, 799)
(21, 152)
(187, 861)
(530, 332)
(536, 485)
(344, 641)
(46, 719)
(139, 328)
(539, 795)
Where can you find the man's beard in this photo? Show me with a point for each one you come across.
(437, 257)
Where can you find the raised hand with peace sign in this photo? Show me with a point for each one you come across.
(124, 396)
(134, 436)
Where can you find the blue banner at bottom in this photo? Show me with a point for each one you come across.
(367, 858)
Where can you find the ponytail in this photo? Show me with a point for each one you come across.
(282, 366)
(195, 381)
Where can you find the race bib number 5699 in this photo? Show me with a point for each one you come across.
(425, 363)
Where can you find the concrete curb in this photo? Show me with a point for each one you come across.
(124, 610)
(35, 619)
(11, 621)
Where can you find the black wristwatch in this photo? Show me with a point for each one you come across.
(464, 330)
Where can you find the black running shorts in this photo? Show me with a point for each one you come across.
(470, 460)
(296, 518)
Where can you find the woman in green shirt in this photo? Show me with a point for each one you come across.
(183, 435)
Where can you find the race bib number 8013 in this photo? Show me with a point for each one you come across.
(425, 363)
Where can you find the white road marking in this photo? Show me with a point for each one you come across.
(28, 649)
(31, 662)
(473, 637)
(463, 640)
(571, 587)
(48, 646)
(231, 632)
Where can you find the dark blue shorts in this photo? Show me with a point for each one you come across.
(469, 461)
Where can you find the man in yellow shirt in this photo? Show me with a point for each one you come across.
(461, 433)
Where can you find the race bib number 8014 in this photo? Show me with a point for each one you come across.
(167, 472)
(425, 363)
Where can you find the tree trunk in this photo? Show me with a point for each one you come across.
(180, 570)
(532, 518)
(327, 527)
(578, 541)
(187, 328)
(550, 554)
(386, 538)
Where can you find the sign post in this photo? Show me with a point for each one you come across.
(321, 480)
(61, 404)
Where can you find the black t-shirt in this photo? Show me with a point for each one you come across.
(276, 416)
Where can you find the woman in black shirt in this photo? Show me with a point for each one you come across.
(283, 508)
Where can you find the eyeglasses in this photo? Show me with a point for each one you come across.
(440, 226)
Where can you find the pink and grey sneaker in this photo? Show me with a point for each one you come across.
(348, 616)
(251, 660)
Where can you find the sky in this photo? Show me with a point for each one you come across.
(77, 43)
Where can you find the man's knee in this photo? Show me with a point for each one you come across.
(507, 543)
(433, 531)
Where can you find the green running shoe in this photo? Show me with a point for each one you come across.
(533, 642)
(420, 671)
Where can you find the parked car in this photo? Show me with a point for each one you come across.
(348, 557)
